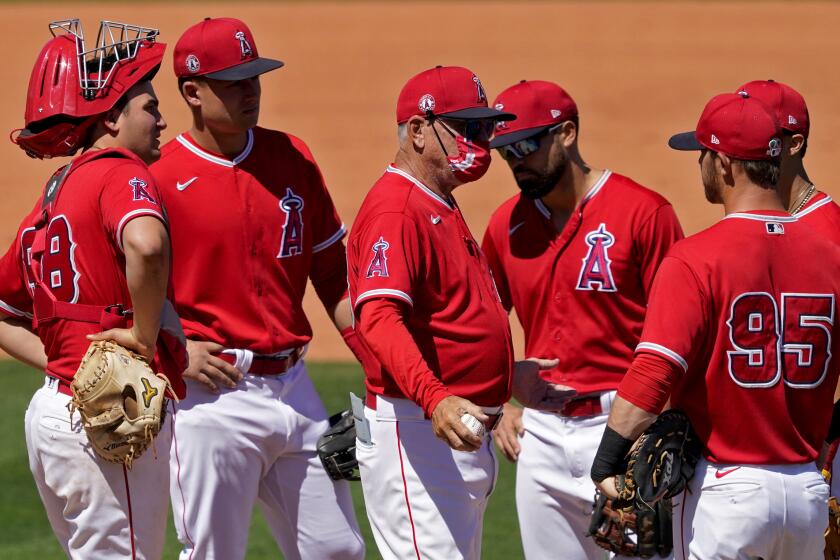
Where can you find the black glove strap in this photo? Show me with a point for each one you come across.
(610, 457)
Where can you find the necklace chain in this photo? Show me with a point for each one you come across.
(805, 198)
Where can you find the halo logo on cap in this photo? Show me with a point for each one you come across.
(775, 148)
(481, 95)
(193, 64)
(244, 46)
(427, 103)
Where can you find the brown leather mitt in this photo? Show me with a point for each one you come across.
(121, 401)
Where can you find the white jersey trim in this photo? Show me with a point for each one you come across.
(385, 292)
(216, 159)
(814, 206)
(13, 310)
(761, 217)
(667, 352)
(332, 239)
(421, 186)
(595, 189)
(130, 216)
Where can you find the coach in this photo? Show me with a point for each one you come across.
(427, 307)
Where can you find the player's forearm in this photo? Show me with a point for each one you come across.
(146, 245)
(624, 426)
(22, 344)
(385, 332)
(628, 419)
(647, 383)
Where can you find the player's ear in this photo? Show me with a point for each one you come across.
(568, 133)
(111, 120)
(797, 142)
(723, 166)
(190, 93)
(416, 132)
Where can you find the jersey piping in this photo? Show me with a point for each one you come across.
(332, 239)
(664, 351)
(418, 184)
(595, 189)
(216, 159)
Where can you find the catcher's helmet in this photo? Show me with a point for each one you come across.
(70, 85)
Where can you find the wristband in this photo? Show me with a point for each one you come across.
(610, 457)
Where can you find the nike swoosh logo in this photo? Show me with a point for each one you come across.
(181, 186)
(721, 474)
(512, 230)
(435, 219)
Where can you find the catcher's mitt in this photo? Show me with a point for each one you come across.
(832, 533)
(661, 462)
(120, 400)
(632, 532)
(337, 447)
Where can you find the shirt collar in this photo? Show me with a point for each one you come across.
(590, 194)
(190, 144)
(421, 186)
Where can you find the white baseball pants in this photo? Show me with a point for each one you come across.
(95, 507)
(256, 444)
(423, 499)
(747, 512)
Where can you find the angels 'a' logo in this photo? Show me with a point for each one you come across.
(244, 45)
(139, 190)
(595, 274)
(379, 263)
(480, 90)
(292, 243)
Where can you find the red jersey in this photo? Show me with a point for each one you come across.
(246, 234)
(411, 245)
(822, 215)
(581, 294)
(83, 261)
(747, 310)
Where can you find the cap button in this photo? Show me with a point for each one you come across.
(744, 94)
(207, 18)
(522, 81)
(438, 66)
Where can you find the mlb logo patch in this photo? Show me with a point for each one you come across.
(775, 228)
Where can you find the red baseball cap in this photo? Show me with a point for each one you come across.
(446, 91)
(734, 124)
(221, 49)
(786, 102)
(538, 105)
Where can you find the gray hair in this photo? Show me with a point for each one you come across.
(402, 132)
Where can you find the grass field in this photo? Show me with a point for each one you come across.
(26, 533)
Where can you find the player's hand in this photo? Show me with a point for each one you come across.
(128, 338)
(533, 391)
(447, 425)
(607, 487)
(507, 433)
(208, 369)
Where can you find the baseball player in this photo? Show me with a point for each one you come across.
(427, 307)
(800, 195)
(251, 221)
(575, 253)
(740, 334)
(94, 247)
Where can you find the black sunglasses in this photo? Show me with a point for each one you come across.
(527, 146)
(471, 129)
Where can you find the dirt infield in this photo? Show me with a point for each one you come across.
(638, 71)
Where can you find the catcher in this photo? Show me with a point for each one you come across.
(91, 263)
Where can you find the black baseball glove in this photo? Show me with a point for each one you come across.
(632, 532)
(660, 464)
(337, 447)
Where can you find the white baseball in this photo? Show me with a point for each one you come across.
(473, 423)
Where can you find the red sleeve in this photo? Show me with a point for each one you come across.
(654, 239)
(382, 325)
(327, 227)
(488, 245)
(675, 323)
(648, 382)
(15, 298)
(328, 273)
(129, 192)
(389, 253)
